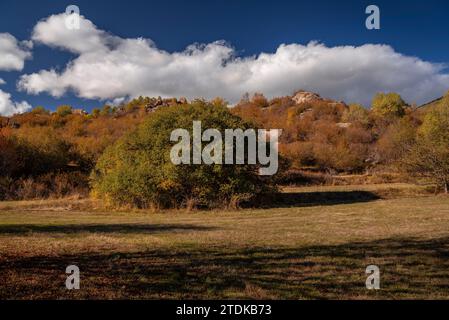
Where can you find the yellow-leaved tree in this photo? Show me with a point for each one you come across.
(429, 157)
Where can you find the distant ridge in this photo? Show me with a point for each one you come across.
(431, 103)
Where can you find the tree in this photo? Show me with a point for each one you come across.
(96, 112)
(388, 105)
(40, 110)
(219, 102)
(356, 113)
(106, 110)
(64, 110)
(429, 157)
(396, 141)
(259, 100)
(138, 171)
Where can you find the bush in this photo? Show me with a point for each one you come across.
(356, 113)
(388, 105)
(51, 185)
(137, 170)
(63, 110)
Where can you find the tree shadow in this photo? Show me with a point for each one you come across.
(102, 228)
(410, 269)
(309, 199)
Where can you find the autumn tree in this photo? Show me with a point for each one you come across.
(96, 112)
(388, 105)
(396, 141)
(64, 110)
(259, 100)
(430, 155)
(106, 110)
(40, 110)
(219, 102)
(356, 113)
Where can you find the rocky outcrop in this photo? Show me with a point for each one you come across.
(301, 97)
(156, 103)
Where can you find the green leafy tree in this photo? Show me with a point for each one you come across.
(138, 171)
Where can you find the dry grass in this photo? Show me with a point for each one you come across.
(296, 249)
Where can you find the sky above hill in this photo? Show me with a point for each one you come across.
(219, 48)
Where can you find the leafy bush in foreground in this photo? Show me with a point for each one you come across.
(137, 170)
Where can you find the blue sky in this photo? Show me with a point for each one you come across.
(412, 28)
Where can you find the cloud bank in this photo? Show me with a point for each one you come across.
(9, 107)
(108, 67)
(13, 53)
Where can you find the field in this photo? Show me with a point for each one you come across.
(314, 244)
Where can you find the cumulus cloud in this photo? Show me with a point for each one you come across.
(9, 107)
(2, 81)
(108, 67)
(88, 38)
(13, 53)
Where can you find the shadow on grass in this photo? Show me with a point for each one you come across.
(102, 228)
(410, 268)
(309, 199)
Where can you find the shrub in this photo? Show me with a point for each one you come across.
(52, 185)
(388, 105)
(63, 110)
(137, 170)
(40, 110)
(356, 113)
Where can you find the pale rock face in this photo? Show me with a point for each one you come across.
(305, 96)
(344, 125)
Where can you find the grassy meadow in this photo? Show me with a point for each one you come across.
(315, 243)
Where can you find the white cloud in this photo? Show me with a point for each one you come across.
(12, 57)
(53, 32)
(108, 67)
(13, 53)
(9, 107)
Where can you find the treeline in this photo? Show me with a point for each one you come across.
(46, 154)
(52, 154)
